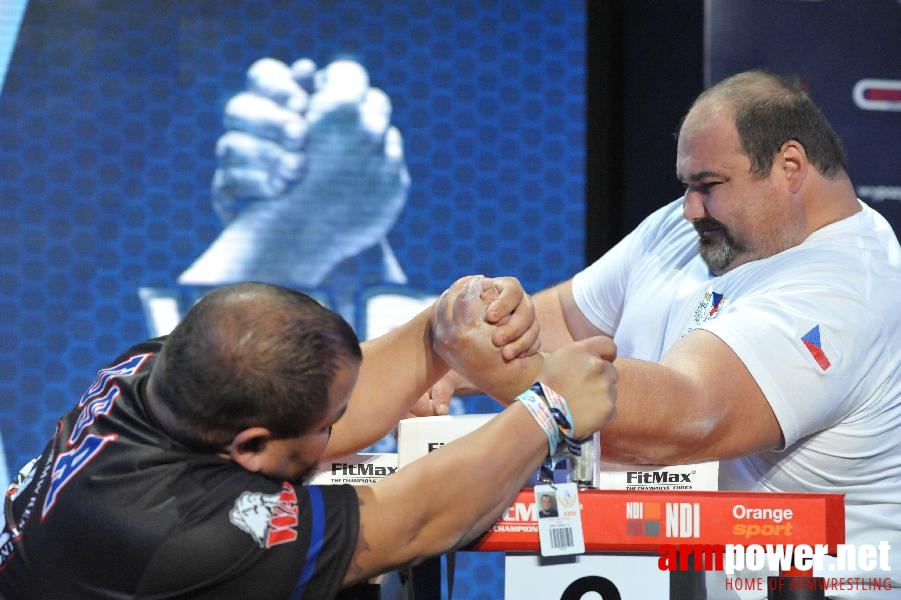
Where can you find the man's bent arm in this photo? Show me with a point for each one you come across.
(560, 319)
(698, 403)
(450, 496)
(447, 498)
(561, 323)
(396, 368)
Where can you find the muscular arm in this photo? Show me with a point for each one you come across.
(698, 403)
(463, 324)
(396, 368)
(560, 319)
(448, 497)
(561, 323)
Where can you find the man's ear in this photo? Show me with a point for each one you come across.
(794, 164)
(248, 448)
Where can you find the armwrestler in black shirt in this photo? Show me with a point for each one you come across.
(179, 472)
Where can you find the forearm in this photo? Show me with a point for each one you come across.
(662, 417)
(448, 497)
(561, 319)
(549, 312)
(664, 414)
(698, 403)
(499, 457)
(397, 368)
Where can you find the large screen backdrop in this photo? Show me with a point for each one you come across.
(109, 120)
(847, 54)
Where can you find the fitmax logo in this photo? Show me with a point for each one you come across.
(361, 469)
(641, 477)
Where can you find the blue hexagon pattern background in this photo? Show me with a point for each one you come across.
(109, 117)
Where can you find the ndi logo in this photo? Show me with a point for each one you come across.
(667, 519)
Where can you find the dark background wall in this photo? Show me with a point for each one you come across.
(647, 60)
(645, 66)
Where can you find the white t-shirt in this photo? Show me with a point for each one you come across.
(819, 328)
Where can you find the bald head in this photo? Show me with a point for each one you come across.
(251, 354)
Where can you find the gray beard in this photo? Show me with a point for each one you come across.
(719, 257)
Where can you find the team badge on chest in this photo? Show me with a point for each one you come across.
(708, 308)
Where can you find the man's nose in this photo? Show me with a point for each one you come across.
(693, 206)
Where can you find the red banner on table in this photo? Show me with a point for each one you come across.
(628, 521)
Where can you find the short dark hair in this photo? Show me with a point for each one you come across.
(252, 354)
(770, 110)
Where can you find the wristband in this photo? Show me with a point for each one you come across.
(562, 417)
(541, 412)
(551, 412)
(567, 446)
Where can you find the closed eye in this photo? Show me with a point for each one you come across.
(703, 188)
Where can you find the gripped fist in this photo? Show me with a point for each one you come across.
(463, 337)
(511, 309)
(583, 373)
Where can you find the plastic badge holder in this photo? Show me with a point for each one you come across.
(585, 469)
